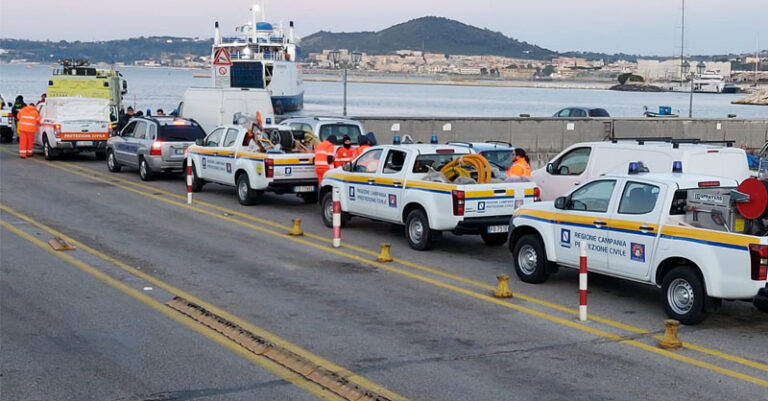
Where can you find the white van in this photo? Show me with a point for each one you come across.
(583, 161)
(212, 107)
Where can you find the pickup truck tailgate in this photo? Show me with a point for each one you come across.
(501, 199)
(84, 131)
(294, 166)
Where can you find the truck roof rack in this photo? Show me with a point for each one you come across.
(675, 141)
(467, 144)
(500, 142)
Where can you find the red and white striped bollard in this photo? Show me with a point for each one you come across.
(336, 218)
(189, 180)
(583, 283)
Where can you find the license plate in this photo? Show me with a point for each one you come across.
(178, 151)
(84, 143)
(304, 188)
(498, 229)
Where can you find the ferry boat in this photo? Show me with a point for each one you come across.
(708, 82)
(261, 56)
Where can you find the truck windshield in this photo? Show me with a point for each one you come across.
(501, 159)
(180, 133)
(436, 161)
(339, 130)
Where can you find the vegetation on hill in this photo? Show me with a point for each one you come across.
(430, 34)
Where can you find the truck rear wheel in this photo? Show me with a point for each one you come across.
(6, 135)
(684, 296)
(420, 236)
(48, 152)
(530, 259)
(101, 155)
(494, 239)
(309, 197)
(245, 195)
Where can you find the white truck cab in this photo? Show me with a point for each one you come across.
(583, 161)
(678, 231)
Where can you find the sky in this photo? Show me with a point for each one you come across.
(646, 27)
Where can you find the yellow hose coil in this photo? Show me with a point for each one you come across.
(455, 168)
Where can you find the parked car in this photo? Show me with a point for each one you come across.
(581, 112)
(324, 127)
(153, 145)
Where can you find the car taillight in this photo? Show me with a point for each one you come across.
(758, 255)
(156, 149)
(458, 202)
(57, 130)
(536, 194)
(269, 165)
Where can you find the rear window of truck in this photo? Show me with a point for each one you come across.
(339, 130)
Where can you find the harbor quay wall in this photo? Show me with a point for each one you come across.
(543, 138)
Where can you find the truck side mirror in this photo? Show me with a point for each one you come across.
(199, 141)
(550, 168)
(560, 202)
(347, 166)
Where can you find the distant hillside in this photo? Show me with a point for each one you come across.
(431, 34)
(126, 50)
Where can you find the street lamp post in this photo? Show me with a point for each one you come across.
(692, 76)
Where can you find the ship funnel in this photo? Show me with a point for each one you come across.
(290, 32)
(216, 34)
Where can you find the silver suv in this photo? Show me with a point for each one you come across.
(324, 127)
(153, 145)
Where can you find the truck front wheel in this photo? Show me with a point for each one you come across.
(683, 295)
(420, 236)
(197, 182)
(246, 195)
(530, 259)
(326, 211)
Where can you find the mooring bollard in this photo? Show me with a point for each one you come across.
(583, 283)
(336, 218)
(670, 339)
(384, 255)
(189, 180)
(502, 289)
(296, 229)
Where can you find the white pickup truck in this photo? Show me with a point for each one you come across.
(390, 183)
(223, 157)
(677, 231)
(73, 124)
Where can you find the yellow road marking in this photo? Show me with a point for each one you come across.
(217, 338)
(601, 333)
(352, 377)
(437, 272)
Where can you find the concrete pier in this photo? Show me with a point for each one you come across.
(542, 138)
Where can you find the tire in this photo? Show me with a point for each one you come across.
(6, 135)
(112, 165)
(494, 239)
(145, 172)
(197, 182)
(684, 296)
(48, 152)
(530, 259)
(245, 195)
(420, 236)
(101, 155)
(326, 211)
(309, 197)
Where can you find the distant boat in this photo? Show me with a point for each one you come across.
(664, 112)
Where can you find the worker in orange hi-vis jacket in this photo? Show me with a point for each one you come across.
(324, 156)
(344, 153)
(29, 120)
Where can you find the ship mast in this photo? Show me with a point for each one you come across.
(682, 43)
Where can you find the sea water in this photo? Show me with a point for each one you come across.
(153, 88)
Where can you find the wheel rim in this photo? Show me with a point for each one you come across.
(111, 160)
(527, 259)
(47, 149)
(680, 296)
(143, 168)
(242, 189)
(416, 230)
(328, 211)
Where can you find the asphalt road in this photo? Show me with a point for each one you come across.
(423, 328)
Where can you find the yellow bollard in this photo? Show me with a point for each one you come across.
(384, 256)
(670, 340)
(502, 290)
(296, 230)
